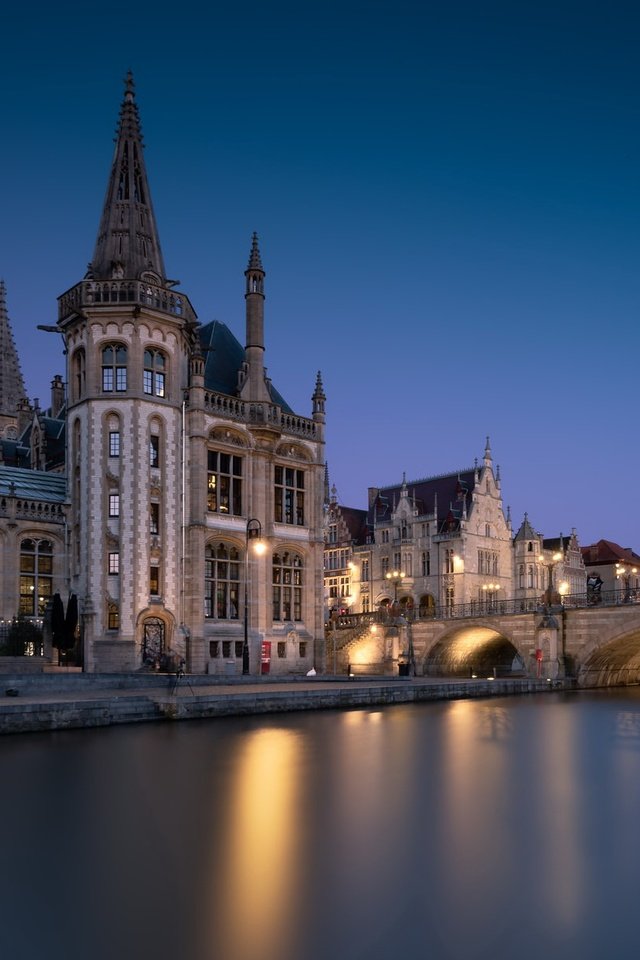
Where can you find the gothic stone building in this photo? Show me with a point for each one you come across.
(435, 544)
(181, 457)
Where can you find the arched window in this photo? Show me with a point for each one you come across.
(113, 616)
(521, 576)
(36, 577)
(114, 368)
(221, 582)
(287, 586)
(530, 570)
(78, 374)
(154, 382)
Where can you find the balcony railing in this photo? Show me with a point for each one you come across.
(89, 292)
(490, 608)
(256, 413)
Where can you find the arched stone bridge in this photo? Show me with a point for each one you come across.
(598, 645)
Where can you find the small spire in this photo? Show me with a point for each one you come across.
(487, 453)
(255, 261)
(318, 398)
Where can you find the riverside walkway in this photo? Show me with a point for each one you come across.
(58, 702)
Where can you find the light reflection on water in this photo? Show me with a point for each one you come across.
(503, 829)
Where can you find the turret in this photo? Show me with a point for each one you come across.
(254, 385)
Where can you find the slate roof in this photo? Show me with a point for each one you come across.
(356, 522)
(223, 357)
(32, 484)
(448, 489)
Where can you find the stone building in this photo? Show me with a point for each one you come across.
(181, 459)
(438, 545)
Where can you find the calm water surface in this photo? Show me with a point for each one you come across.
(494, 829)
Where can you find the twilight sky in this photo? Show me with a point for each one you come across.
(448, 207)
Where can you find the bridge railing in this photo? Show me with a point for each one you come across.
(486, 608)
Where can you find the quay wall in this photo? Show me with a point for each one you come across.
(46, 709)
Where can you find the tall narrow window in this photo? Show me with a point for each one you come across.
(154, 375)
(113, 616)
(154, 518)
(289, 496)
(224, 483)
(113, 563)
(154, 581)
(154, 451)
(36, 577)
(114, 368)
(221, 582)
(114, 504)
(364, 574)
(78, 367)
(114, 443)
(287, 586)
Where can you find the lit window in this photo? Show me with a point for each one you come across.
(36, 577)
(224, 483)
(113, 616)
(154, 581)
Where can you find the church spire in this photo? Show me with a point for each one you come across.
(11, 383)
(128, 245)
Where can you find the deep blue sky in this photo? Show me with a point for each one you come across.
(448, 207)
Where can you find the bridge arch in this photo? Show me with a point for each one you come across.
(615, 662)
(472, 649)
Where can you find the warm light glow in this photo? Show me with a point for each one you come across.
(259, 547)
(374, 628)
(563, 588)
(556, 557)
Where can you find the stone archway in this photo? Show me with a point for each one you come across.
(154, 642)
(473, 651)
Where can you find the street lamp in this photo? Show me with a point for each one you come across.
(395, 577)
(255, 541)
(490, 591)
(624, 573)
(548, 593)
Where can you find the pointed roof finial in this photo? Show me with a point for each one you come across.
(255, 261)
(487, 452)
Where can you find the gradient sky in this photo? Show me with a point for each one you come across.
(448, 207)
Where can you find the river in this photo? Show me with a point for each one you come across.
(504, 829)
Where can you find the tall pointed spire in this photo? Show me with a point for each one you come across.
(11, 383)
(128, 245)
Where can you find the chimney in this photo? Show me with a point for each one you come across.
(57, 395)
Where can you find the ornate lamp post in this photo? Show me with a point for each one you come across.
(624, 573)
(548, 593)
(253, 540)
(490, 594)
(396, 577)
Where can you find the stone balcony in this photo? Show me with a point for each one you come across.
(87, 293)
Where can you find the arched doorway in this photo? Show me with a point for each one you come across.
(153, 641)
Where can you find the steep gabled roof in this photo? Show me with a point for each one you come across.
(356, 523)
(446, 493)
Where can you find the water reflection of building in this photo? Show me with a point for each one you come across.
(439, 542)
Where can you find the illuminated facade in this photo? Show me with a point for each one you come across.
(433, 544)
(179, 450)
